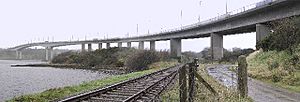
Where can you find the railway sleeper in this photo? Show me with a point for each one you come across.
(120, 93)
(134, 87)
(126, 89)
(99, 99)
(113, 96)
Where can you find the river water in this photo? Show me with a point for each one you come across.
(16, 81)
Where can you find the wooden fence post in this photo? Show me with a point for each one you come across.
(242, 76)
(182, 84)
(192, 68)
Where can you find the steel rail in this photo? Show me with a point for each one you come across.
(96, 92)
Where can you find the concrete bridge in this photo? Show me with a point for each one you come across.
(252, 18)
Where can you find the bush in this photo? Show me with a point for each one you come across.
(232, 56)
(276, 78)
(113, 57)
(273, 65)
(63, 57)
(291, 80)
(107, 57)
(163, 55)
(141, 59)
(286, 35)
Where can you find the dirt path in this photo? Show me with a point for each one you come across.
(258, 91)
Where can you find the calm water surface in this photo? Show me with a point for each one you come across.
(16, 81)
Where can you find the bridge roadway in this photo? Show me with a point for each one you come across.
(251, 18)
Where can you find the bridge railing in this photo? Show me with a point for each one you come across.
(190, 26)
(220, 17)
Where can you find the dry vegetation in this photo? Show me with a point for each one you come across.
(203, 94)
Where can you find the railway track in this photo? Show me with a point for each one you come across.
(146, 88)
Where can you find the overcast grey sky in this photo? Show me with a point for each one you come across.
(23, 21)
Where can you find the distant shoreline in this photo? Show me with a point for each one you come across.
(105, 69)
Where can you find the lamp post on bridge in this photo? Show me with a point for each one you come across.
(200, 3)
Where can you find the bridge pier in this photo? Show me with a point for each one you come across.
(129, 44)
(261, 32)
(49, 53)
(141, 45)
(175, 47)
(119, 44)
(152, 45)
(107, 45)
(83, 48)
(19, 55)
(216, 46)
(100, 46)
(90, 47)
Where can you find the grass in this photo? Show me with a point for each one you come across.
(271, 67)
(58, 93)
(204, 95)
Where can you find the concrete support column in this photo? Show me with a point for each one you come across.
(83, 48)
(100, 46)
(20, 55)
(107, 45)
(262, 31)
(120, 44)
(175, 47)
(51, 53)
(90, 47)
(128, 44)
(216, 46)
(152, 45)
(17, 54)
(141, 45)
(47, 54)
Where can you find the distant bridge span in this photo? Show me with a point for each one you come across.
(252, 18)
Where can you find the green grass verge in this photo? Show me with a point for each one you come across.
(204, 95)
(273, 67)
(58, 93)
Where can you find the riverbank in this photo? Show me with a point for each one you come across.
(58, 93)
(17, 81)
(104, 69)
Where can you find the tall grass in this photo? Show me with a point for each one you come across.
(203, 94)
(275, 67)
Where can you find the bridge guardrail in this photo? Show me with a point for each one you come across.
(220, 17)
(190, 26)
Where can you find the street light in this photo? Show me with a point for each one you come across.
(181, 18)
(137, 29)
(226, 8)
(200, 2)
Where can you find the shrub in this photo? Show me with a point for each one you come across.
(273, 65)
(232, 56)
(276, 78)
(141, 59)
(163, 55)
(107, 57)
(114, 57)
(291, 80)
(63, 57)
(286, 35)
